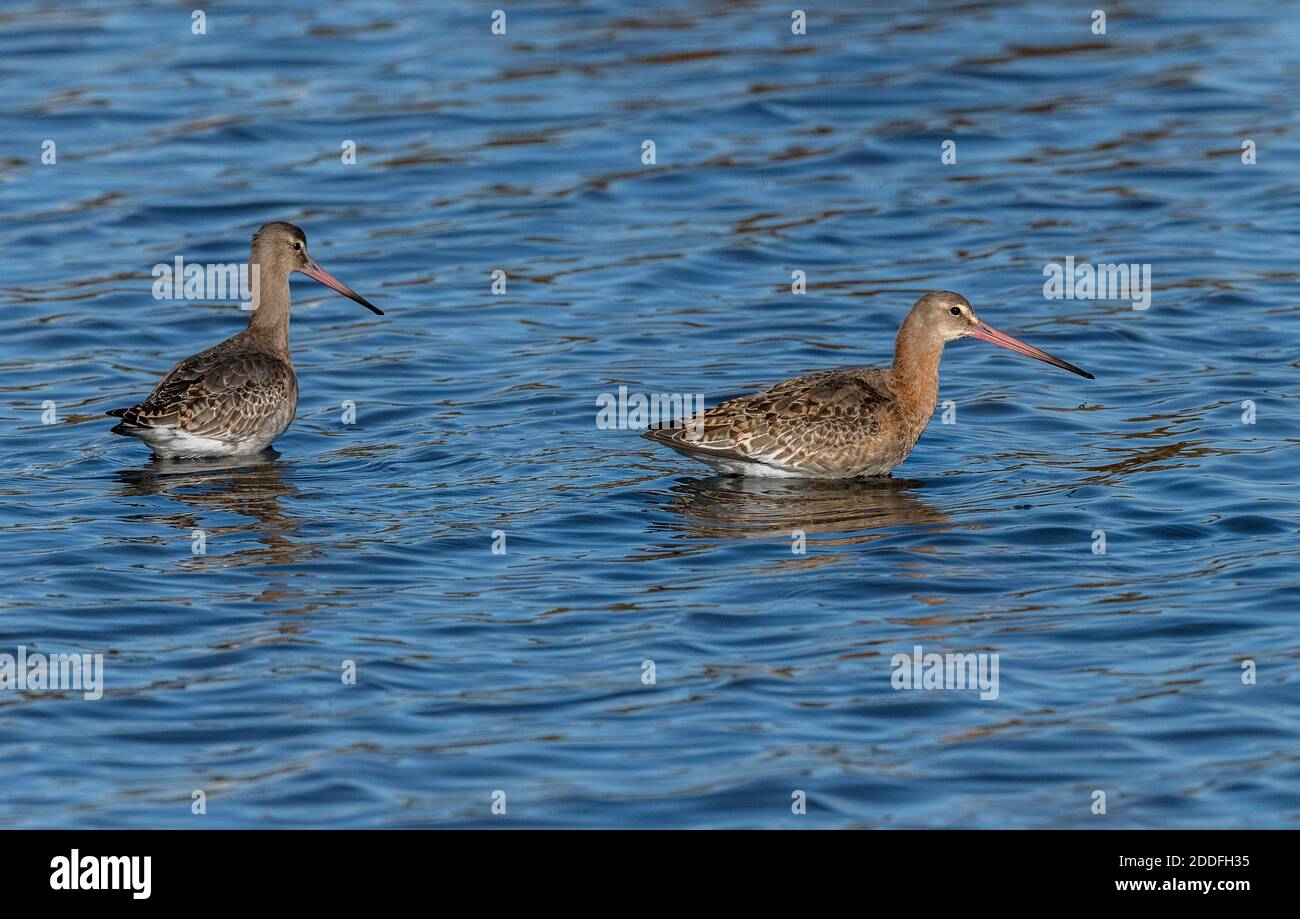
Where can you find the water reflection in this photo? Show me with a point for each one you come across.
(250, 487)
(733, 507)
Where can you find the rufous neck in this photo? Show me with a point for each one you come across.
(915, 373)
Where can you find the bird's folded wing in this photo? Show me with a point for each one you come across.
(224, 395)
(803, 423)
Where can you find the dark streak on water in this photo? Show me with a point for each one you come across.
(476, 413)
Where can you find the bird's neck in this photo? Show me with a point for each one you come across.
(268, 325)
(915, 373)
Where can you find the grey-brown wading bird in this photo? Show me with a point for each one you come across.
(236, 397)
(839, 424)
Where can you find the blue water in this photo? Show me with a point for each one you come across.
(522, 672)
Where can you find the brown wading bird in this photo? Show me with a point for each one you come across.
(839, 424)
(236, 397)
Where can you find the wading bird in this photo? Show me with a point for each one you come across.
(839, 424)
(236, 397)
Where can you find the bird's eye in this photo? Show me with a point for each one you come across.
(297, 247)
(956, 310)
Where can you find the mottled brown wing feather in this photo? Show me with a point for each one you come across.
(821, 422)
(222, 392)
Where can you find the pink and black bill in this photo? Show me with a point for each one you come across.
(985, 332)
(317, 273)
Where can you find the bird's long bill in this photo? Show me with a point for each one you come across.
(317, 273)
(986, 332)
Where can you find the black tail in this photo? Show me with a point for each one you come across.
(125, 428)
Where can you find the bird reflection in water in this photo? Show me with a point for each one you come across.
(251, 487)
(856, 511)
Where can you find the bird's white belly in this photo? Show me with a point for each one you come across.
(772, 470)
(760, 470)
(173, 443)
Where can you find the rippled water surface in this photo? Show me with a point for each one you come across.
(476, 415)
